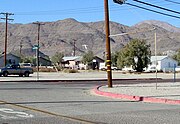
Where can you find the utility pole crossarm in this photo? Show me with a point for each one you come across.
(6, 13)
(127, 33)
(6, 16)
(7, 19)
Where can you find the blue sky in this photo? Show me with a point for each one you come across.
(28, 11)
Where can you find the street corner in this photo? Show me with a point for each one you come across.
(102, 90)
(97, 90)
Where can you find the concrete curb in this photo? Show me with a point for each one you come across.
(134, 98)
(74, 80)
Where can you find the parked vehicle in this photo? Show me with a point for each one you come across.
(16, 69)
(128, 69)
(25, 65)
(114, 68)
(102, 66)
(151, 69)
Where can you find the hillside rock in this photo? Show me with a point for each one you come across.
(161, 24)
(60, 36)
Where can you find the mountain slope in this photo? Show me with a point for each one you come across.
(161, 24)
(60, 36)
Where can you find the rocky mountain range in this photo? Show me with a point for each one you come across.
(60, 36)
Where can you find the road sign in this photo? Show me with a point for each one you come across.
(35, 47)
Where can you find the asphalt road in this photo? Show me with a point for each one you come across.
(74, 103)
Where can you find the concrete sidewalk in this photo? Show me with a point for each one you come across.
(156, 92)
(86, 75)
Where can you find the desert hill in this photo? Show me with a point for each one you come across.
(59, 36)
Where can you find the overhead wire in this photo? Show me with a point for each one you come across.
(72, 11)
(157, 6)
(62, 10)
(153, 10)
(172, 1)
(68, 11)
(101, 9)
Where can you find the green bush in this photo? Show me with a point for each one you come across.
(44, 69)
(71, 71)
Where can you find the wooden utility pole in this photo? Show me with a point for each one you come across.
(6, 32)
(38, 34)
(20, 49)
(108, 48)
(74, 44)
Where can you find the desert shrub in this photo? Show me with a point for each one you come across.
(43, 69)
(71, 71)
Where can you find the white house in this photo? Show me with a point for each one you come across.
(72, 61)
(163, 63)
(75, 62)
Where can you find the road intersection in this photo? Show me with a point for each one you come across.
(44, 102)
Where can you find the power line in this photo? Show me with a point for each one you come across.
(96, 9)
(63, 10)
(153, 10)
(172, 1)
(157, 6)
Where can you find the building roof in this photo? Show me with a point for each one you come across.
(45, 59)
(9, 55)
(159, 58)
(72, 58)
(97, 57)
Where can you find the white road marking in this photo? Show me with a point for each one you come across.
(12, 114)
(7, 117)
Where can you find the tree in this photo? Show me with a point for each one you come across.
(27, 59)
(88, 57)
(57, 58)
(177, 57)
(135, 49)
(114, 59)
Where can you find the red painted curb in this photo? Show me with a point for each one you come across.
(134, 98)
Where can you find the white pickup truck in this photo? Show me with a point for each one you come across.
(15, 69)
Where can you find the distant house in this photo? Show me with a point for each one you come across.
(71, 61)
(75, 62)
(44, 62)
(10, 59)
(96, 62)
(163, 63)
